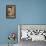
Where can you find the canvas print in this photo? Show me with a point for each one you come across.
(10, 11)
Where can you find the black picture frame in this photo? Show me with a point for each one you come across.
(10, 11)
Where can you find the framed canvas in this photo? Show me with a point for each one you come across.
(11, 11)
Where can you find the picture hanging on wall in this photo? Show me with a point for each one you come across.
(11, 11)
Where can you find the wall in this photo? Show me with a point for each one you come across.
(6, 25)
(27, 12)
(31, 11)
